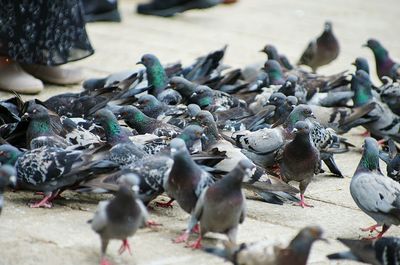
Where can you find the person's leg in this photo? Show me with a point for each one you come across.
(168, 8)
(101, 10)
(41, 35)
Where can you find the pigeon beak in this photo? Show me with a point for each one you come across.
(173, 150)
(294, 130)
(135, 188)
(13, 182)
(140, 62)
(313, 115)
(262, 50)
(364, 45)
(25, 116)
(353, 63)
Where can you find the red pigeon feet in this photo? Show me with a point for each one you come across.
(104, 261)
(196, 229)
(365, 134)
(196, 244)
(43, 203)
(302, 203)
(125, 246)
(182, 238)
(166, 204)
(151, 223)
(371, 228)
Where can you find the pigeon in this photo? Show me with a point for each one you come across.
(361, 64)
(221, 207)
(119, 218)
(143, 124)
(381, 121)
(375, 194)
(123, 151)
(392, 159)
(40, 131)
(300, 159)
(156, 109)
(187, 180)
(272, 53)
(7, 177)
(322, 50)
(274, 71)
(268, 252)
(390, 94)
(385, 66)
(156, 75)
(51, 170)
(9, 154)
(384, 251)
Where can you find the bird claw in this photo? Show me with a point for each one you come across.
(40, 204)
(196, 229)
(302, 204)
(125, 246)
(104, 261)
(182, 238)
(365, 134)
(196, 244)
(151, 223)
(371, 229)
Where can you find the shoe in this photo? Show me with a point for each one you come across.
(14, 78)
(101, 10)
(168, 8)
(55, 74)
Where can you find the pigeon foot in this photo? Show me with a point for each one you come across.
(182, 238)
(125, 246)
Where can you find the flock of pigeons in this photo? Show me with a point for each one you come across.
(203, 133)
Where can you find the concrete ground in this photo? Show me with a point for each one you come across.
(62, 236)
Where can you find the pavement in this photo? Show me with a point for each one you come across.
(62, 236)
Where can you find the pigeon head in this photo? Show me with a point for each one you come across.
(202, 96)
(292, 100)
(301, 127)
(370, 156)
(156, 76)
(299, 248)
(328, 26)
(192, 110)
(182, 85)
(132, 114)
(271, 52)
(39, 124)
(148, 101)
(131, 181)
(170, 97)
(379, 51)
(362, 87)
(113, 131)
(192, 133)
(246, 167)
(178, 146)
(289, 87)
(37, 111)
(9, 154)
(276, 99)
(8, 176)
(299, 113)
(361, 64)
(274, 71)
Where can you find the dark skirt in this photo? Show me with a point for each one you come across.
(46, 32)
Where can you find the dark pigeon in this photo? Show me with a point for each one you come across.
(322, 50)
(120, 217)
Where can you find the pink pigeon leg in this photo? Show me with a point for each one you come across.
(125, 246)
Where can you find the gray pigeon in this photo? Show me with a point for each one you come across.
(300, 159)
(375, 194)
(384, 251)
(7, 176)
(221, 207)
(187, 180)
(322, 50)
(269, 252)
(120, 217)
